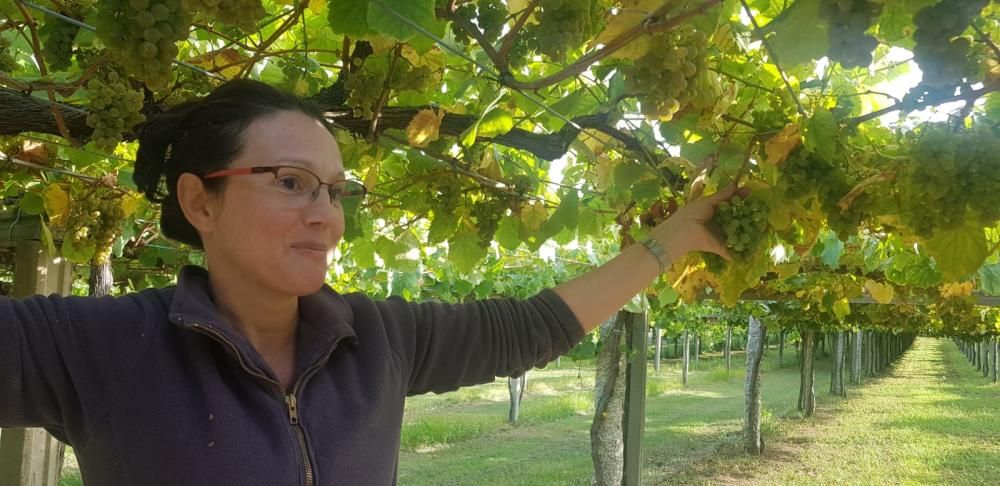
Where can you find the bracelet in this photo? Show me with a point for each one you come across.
(657, 251)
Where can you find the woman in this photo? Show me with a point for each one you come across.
(256, 372)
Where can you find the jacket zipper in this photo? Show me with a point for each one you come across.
(291, 400)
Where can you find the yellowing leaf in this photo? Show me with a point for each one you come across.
(882, 293)
(597, 142)
(424, 128)
(782, 144)
(958, 252)
(56, 201)
(436, 59)
(605, 173)
(130, 204)
(842, 308)
(227, 62)
(533, 216)
(787, 270)
(631, 13)
(956, 289)
(317, 6)
(371, 177)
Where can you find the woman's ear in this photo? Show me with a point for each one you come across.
(196, 203)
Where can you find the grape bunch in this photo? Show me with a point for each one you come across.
(188, 87)
(564, 25)
(240, 13)
(94, 222)
(940, 51)
(487, 214)
(143, 33)
(57, 42)
(744, 225)
(7, 62)
(952, 177)
(364, 87)
(804, 172)
(664, 77)
(489, 15)
(849, 20)
(114, 108)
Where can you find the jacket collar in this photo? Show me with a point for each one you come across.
(325, 316)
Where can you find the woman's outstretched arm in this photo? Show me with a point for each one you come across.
(599, 293)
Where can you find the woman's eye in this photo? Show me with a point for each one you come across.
(336, 193)
(290, 183)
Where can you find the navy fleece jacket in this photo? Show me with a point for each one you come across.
(155, 388)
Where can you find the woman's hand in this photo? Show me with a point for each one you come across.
(687, 229)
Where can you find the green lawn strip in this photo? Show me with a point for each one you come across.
(682, 426)
(930, 420)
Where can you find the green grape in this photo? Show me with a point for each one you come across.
(95, 220)
(7, 62)
(487, 214)
(489, 16)
(142, 34)
(849, 20)
(744, 225)
(803, 173)
(364, 87)
(665, 78)
(564, 25)
(240, 13)
(951, 178)
(57, 38)
(943, 56)
(114, 108)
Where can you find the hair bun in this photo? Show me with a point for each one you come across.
(153, 159)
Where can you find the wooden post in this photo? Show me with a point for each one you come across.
(32, 457)
(635, 399)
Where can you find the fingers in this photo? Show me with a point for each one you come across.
(723, 194)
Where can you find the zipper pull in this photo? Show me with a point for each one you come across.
(293, 408)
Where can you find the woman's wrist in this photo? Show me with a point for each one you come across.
(671, 241)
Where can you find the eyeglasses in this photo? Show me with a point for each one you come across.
(301, 187)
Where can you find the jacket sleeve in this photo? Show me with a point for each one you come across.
(62, 359)
(447, 346)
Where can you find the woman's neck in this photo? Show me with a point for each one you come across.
(268, 319)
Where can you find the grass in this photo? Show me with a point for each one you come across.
(945, 433)
(932, 419)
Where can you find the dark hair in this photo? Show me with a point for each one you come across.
(200, 137)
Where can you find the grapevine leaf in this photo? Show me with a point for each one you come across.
(50, 244)
(496, 122)
(799, 34)
(958, 252)
(627, 174)
(912, 270)
(533, 216)
(882, 293)
(832, 249)
(782, 144)
(442, 227)
(567, 215)
(989, 279)
(508, 233)
(349, 17)
(590, 223)
(363, 253)
(605, 171)
(841, 308)
(466, 251)
(56, 204)
(736, 279)
(821, 134)
(32, 203)
(384, 17)
(424, 128)
(82, 253)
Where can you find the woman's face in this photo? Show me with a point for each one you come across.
(282, 243)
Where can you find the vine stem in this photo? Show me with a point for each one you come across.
(970, 96)
(654, 23)
(288, 24)
(507, 43)
(386, 88)
(36, 48)
(770, 52)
